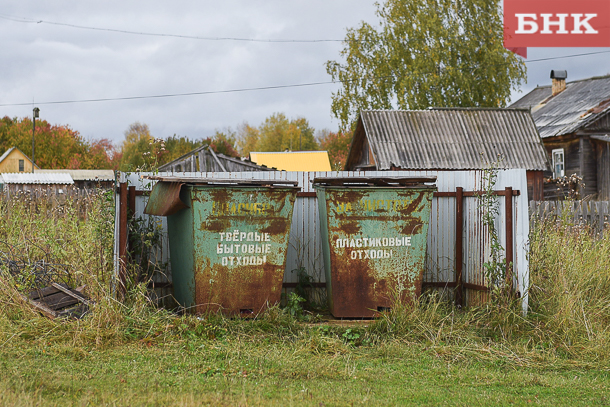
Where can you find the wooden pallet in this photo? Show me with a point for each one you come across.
(59, 300)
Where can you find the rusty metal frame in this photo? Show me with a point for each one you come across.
(122, 277)
(458, 282)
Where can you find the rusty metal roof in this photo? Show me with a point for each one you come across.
(451, 139)
(580, 104)
(36, 178)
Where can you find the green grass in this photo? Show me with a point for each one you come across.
(132, 353)
(253, 372)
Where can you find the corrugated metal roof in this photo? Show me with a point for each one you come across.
(84, 175)
(580, 104)
(36, 178)
(293, 160)
(455, 139)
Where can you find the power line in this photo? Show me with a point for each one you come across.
(175, 94)
(192, 37)
(567, 56)
(299, 85)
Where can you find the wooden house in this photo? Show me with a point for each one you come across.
(573, 120)
(13, 160)
(453, 139)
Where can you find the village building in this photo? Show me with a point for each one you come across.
(35, 183)
(15, 161)
(204, 159)
(293, 160)
(87, 179)
(449, 139)
(573, 119)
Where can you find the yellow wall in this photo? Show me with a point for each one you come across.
(11, 163)
(293, 160)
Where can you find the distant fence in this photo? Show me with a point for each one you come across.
(47, 200)
(595, 214)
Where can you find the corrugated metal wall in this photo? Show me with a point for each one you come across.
(305, 249)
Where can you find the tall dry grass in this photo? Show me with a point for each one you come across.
(567, 323)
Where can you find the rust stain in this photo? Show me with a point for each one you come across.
(367, 278)
(277, 226)
(350, 228)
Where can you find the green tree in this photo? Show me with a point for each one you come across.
(337, 144)
(140, 150)
(277, 133)
(247, 139)
(442, 53)
(224, 142)
(176, 146)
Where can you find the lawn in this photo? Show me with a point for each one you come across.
(238, 371)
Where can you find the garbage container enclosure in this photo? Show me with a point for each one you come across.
(374, 233)
(228, 245)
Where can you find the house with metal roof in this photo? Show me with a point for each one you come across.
(451, 139)
(87, 179)
(14, 160)
(293, 160)
(573, 119)
(204, 159)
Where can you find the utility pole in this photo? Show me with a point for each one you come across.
(35, 115)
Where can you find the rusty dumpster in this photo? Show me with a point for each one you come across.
(228, 240)
(374, 234)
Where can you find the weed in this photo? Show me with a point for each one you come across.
(293, 305)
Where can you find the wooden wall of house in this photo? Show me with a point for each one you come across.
(589, 167)
(602, 150)
(535, 185)
(580, 158)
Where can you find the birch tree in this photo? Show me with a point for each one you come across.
(423, 53)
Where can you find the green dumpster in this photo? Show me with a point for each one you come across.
(374, 234)
(228, 240)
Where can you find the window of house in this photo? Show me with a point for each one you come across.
(558, 163)
(21, 165)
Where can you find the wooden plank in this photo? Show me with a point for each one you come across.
(41, 307)
(44, 292)
(58, 301)
(73, 294)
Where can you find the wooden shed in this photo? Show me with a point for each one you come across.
(206, 160)
(453, 139)
(57, 184)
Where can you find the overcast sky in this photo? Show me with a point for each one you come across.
(45, 62)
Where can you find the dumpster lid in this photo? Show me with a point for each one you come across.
(388, 182)
(224, 181)
(165, 196)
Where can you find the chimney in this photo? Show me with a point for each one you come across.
(559, 81)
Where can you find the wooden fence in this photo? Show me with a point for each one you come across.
(594, 214)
